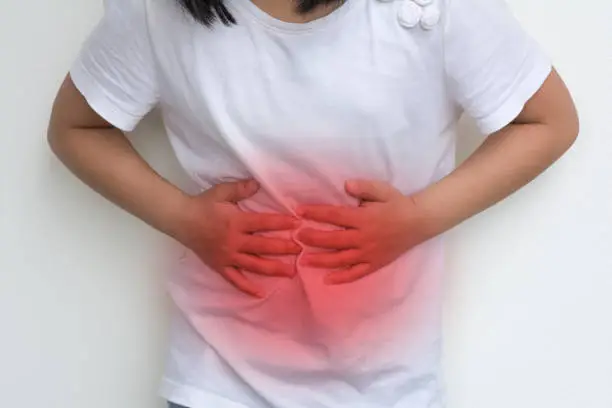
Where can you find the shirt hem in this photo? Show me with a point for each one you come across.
(192, 397)
(513, 106)
(99, 102)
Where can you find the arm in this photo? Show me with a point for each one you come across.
(209, 224)
(500, 77)
(387, 224)
(102, 157)
(506, 161)
(112, 85)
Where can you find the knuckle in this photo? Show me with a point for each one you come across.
(236, 223)
(235, 244)
(223, 251)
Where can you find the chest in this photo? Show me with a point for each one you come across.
(364, 99)
(361, 80)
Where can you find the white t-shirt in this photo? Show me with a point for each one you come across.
(374, 90)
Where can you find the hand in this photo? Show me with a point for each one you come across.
(222, 235)
(383, 227)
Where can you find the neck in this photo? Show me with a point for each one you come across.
(298, 11)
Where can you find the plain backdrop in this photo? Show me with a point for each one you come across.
(82, 303)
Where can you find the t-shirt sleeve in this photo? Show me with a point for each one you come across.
(115, 69)
(493, 66)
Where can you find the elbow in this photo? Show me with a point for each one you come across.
(564, 125)
(568, 120)
(563, 136)
(54, 139)
(60, 139)
(570, 129)
(575, 129)
(51, 138)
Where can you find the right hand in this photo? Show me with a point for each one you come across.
(222, 235)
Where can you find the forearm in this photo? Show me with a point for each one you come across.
(505, 162)
(105, 160)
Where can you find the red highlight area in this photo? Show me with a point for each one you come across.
(303, 321)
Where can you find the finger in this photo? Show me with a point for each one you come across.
(329, 239)
(237, 278)
(258, 222)
(371, 190)
(329, 214)
(342, 259)
(353, 274)
(269, 246)
(261, 266)
(234, 191)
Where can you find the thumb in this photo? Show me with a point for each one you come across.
(235, 191)
(370, 190)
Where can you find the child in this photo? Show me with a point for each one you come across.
(321, 136)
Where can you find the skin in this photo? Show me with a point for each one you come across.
(384, 226)
(388, 224)
(210, 224)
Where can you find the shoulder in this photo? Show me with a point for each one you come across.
(142, 11)
(436, 14)
(414, 23)
(126, 7)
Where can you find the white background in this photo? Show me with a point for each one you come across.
(82, 305)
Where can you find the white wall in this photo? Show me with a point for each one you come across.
(82, 321)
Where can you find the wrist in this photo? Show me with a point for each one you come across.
(177, 217)
(432, 219)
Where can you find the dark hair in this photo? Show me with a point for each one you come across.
(208, 12)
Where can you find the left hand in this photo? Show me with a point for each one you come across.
(383, 227)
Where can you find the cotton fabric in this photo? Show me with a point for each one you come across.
(370, 91)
